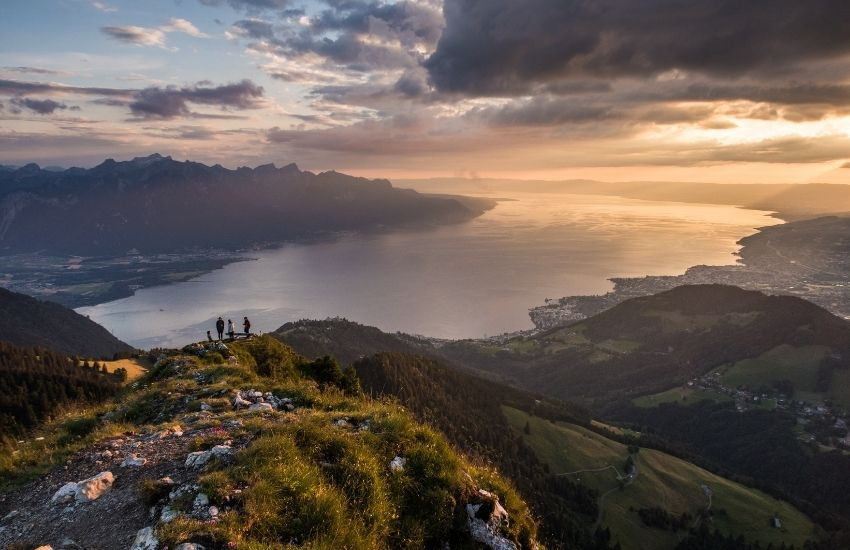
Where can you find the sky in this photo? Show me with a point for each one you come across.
(754, 91)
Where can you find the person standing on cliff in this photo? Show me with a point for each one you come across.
(219, 326)
(247, 325)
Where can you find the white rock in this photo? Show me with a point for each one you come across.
(107, 454)
(145, 540)
(94, 487)
(261, 407)
(342, 423)
(189, 546)
(45, 547)
(85, 490)
(199, 458)
(133, 461)
(213, 511)
(397, 464)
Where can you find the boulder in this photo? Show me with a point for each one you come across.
(199, 458)
(145, 540)
(189, 546)
(205, 407)
(85, 490)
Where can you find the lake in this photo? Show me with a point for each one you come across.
(469, 280)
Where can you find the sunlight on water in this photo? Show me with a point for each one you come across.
(467, 280)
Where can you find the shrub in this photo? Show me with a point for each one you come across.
(272, 358)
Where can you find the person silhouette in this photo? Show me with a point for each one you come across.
(247, 325)
(219, 326)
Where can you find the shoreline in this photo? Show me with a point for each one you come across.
(760, 266)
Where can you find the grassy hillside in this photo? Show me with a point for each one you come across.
(310, 464)
(662, 481)
(652, 344)
(468, 410)
(34, 323)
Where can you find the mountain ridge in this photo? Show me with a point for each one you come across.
(30, 322)
(156, 204)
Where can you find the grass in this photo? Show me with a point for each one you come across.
(680, 395)
(301, 480)
(136, 368)
(799, 365)
(664, 481)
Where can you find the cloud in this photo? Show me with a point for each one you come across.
(173, 102)
(503, 47)
(106, 8)
(40, 106)
(35, 70)
(155, 102)
(151, 36)
(140, 36)
(176, 24)
(252, 6)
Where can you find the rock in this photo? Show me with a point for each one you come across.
(94, 487)
(262, 407)
(289, 407)
(67, 493)
(11, 515)
(205, 407)
(213, 511)
(239, 402)
(342, 423)
(69, 544)
(166, 481)
(233, 423)
(145, 540)
(45, 547)
(485, 519)
(85, 490)
(201, 501)
(107, 454)
(199, 458)
(397, 464)
(168, 514)
(133, 461)
(189, 546)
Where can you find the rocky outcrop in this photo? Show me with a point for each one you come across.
(485, 519)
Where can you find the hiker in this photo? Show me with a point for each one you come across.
(231, 329)
(219, 326)
(209, 336)
(247, 324)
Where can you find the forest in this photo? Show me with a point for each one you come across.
(36, 384)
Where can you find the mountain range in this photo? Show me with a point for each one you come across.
(156, 204)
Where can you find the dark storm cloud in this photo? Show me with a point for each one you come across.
(504, 46)
(172, 102)
(408, 21)
(40, 106)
